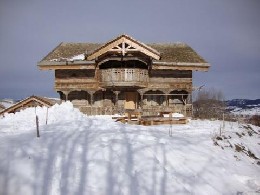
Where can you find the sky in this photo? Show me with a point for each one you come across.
(225, 33)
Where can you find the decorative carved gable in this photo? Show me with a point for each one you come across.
(123, 45)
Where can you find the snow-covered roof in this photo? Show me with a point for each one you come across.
(169, 52)
(28, 102)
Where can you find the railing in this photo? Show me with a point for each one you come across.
(123, 76)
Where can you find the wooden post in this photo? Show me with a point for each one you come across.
(167, 100)
(185, 108)
(190, 98)
(116, 102)
(116, 93)
(91, 100)
(223, 120)
(66, 93)
(142, 98)
(37, 126)
(47, 116)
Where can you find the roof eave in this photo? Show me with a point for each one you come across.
(52, 65)
(202, 66)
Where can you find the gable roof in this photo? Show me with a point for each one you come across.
(84, 55)
(122, 44)
(68, 50)
(170, 52)
(38, 101)
(177, 52)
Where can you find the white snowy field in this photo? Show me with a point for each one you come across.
(246, 111)
(77, 154)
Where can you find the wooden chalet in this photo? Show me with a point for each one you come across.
(32, 101)
(125, 74)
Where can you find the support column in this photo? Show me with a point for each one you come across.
(185, 108)
(116, 100)
(189, 98)
(116, 93)
(142, 100)
(167, 100)
(189, 101)
(66, 93)
(91, 93)
(141, 92)
(166, 97)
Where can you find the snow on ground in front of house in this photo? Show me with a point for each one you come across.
(77, 154)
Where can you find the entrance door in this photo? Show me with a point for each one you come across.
(130, 100)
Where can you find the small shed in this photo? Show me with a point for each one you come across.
(32, 101)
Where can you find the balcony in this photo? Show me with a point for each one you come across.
(123, 77)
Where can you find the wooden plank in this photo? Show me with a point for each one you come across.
(66, 67)
(170, 66)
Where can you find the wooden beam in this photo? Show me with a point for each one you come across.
(66, 67)
(123, 40)
(180, 66)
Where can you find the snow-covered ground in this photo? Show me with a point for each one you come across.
(246, 111)
(77, 154)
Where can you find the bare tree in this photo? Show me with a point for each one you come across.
(255, 120)
(209, 103)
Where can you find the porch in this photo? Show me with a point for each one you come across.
(150, 103)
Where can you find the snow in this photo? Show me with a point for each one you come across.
(174, 115)
(79, 57)
(79, 154)
(247, 111)
(7, 103)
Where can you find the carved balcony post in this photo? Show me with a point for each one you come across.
(166, 97)
(91, 93)
(189, 99)
(116, 93)
(141, 92)
(66, 93)
(167, 100)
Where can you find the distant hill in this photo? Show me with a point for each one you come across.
(244, 103)
(244, 106)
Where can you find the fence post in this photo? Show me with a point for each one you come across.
(37, 126)
(47, 116)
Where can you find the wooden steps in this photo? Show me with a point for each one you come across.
(151, 120)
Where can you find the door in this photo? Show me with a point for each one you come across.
(130, 100)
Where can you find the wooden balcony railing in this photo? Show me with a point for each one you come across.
(123, 77)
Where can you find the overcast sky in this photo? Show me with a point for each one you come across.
(225, 32)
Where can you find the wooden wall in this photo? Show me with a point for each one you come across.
(74, 73)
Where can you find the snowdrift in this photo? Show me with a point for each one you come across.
(79, 154)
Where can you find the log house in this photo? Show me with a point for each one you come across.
(125, 74)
